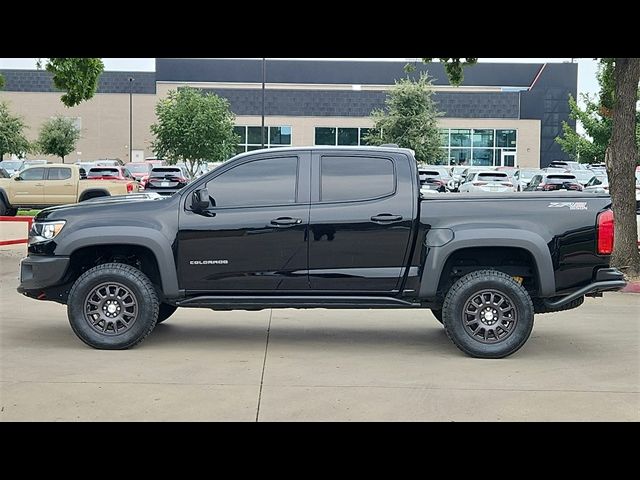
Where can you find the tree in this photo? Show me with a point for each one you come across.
(410, 119)
(194, 127)
(58, 137)
(596, 119)
(453, 66)
(621, 160)
(12, 139)
(77, 77)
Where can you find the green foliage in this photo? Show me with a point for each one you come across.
(12, 139)
(78, 77)
(1, 81)
(409, 120)
(454, 67)
(58, 137)
(194, 127)
(595, 118)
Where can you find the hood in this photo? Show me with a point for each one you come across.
(103, 206)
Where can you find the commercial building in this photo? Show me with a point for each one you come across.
(503, 113)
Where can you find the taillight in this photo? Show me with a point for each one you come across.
(605, 232)
(129, 187)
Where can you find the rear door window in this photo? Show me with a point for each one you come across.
(345, 179)
(59, 173)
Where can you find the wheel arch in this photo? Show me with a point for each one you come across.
(436, 257)
(91, 193)
(140, 237)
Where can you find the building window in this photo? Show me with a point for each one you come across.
(251, 137)
(482, 146)
(342, 136)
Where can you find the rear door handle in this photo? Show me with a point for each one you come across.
(386, 218)
(286, 221)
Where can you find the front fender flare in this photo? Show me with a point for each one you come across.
(149, 238)
(436, 257)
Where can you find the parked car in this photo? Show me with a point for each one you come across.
(167, 180)
(553, 181)
(4, 173)
(523, 176)
(459, 175)
(583, 176)
(109, 173)
(511, 171)
(12, 166)
(600, 184)
(352, 233)
(432, 181)
(566, 165)
(487, 181)
(33, 163)
(86, 165)
(55, 184)
(109, 162)
(140, 171)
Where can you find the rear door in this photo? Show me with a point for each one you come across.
(59, 186)
(29, 190)
(360, 221)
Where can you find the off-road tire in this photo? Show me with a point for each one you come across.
(140, 288)
(464, 290)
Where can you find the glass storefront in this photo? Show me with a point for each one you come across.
(251, 137)
(340, 136)
(481, 146)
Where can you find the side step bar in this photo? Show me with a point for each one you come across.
(607, 280)
(234, 302)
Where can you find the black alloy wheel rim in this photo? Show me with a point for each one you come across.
(489, 316)
(111, 309)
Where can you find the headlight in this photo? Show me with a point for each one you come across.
(45, 231)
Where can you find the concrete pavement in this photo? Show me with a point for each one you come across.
(319, 365)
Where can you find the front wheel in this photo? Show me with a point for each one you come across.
(487, 314)
(112, 306)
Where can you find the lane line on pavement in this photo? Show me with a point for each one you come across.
(264, 364)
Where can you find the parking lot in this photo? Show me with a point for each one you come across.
(319, 365)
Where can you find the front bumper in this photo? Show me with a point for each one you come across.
(606, 280)
(38, 273)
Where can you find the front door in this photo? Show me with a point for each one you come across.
(28, 187)
(508, 159)
(360, 223)
(59, 187)
(253, 238)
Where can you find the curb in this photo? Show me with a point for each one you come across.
(632, 287)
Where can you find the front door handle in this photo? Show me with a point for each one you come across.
(286, 221)
(386, 218)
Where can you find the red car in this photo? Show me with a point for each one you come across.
(109, 173)
(140, 171)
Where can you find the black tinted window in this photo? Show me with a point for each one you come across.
(356, 178)
(33, 174)
(262, 182)
(59, 174)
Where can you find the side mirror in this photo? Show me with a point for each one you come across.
(200, 200)
(17, 178)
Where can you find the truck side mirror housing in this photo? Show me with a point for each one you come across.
(17, 178)
(200, 200)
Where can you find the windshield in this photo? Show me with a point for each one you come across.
(138, 168)
(11, 164)
(103, 172)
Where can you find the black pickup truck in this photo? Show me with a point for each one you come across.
(323, 227)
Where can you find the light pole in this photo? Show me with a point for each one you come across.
(264, 74)
(131, 79)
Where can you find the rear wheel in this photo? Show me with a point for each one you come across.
(487, 314)
(112, 306)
